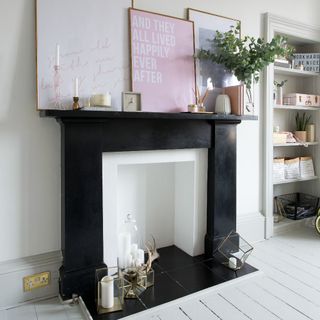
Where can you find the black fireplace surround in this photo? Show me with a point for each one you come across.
(85, 135)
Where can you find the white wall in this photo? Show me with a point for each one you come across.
(30, 146)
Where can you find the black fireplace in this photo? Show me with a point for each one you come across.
(85, 135)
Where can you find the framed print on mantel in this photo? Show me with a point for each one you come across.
(162, 61)
(77, 40)
(210, 74)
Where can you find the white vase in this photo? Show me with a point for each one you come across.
(279, 98)
(223, 104)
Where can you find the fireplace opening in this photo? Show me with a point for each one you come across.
(164, 191)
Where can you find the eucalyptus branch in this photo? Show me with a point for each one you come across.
(244, 57)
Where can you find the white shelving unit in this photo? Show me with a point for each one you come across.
(305, 39)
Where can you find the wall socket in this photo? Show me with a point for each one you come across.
(37, 280)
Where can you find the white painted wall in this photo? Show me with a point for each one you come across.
(30, 146)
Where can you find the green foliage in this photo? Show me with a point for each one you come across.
(245, 57)
(302, 121)
(279, 84)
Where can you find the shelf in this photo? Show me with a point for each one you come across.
(284, 107)
(296, 144)
(294, 72)
(84, 114)
(294, 180)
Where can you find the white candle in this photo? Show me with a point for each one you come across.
(76, 87)
(232, 263)
(129, 261)
(134, 250)
(124, 247)
(141, 256)
(57, 55)
(107, 299)
(108, 99)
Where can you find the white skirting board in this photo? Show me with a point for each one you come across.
(13, 271)
(251, 227)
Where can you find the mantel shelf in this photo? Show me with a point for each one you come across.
(70, 114)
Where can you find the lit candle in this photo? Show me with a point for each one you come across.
(107, 292)
(232, 263)
(76, 87)
(57, 55)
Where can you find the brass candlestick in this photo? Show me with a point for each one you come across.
(75, 105)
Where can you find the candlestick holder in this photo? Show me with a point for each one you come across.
(56, 87)
(76, 105)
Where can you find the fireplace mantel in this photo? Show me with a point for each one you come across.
(85, 135)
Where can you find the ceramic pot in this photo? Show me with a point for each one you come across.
(301, 136)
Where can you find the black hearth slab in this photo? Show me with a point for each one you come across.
(195, 277)
(131, 306)
(164, 290)
(227, 273)
(174, 258)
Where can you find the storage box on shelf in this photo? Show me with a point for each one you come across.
(289, 170)
(296, 206)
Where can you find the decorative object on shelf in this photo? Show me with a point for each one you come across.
(310, 128)
(301, 99)
(76, 104)
(111, 287)
(205, 26)
(308, 61)
(193, 108)
(306, 167)
(279, 91)
(223, 104)
(57, 81)
(292, 168)
(131, 101)
(245, 57)
(301, 125)
(236, 95)
(101, 100)
(278, 169)
(233, 251)
(91, 50)
(162, 64)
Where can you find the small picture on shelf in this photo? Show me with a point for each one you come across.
(131, 101)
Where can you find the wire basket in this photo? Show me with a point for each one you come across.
(297, 206)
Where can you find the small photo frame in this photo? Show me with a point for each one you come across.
(131, 101)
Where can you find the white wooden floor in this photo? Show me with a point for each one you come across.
(287, 287)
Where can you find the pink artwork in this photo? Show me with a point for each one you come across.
(162, 63)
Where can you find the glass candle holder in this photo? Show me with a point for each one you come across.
(233, 251)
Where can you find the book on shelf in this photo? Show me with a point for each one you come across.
(283, 63)
(236, 95)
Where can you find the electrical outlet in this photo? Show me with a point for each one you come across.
(35, 281)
